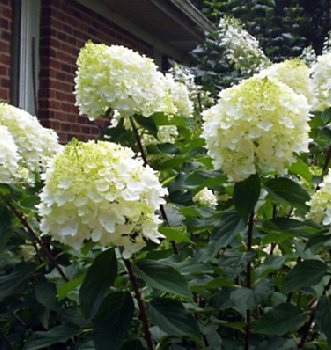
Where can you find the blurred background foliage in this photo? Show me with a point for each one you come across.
(283, 27)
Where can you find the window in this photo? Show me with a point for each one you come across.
(26, 54)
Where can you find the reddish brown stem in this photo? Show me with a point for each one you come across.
(140, 145)
(327, 161)
(144, 157)
(308, 325)
(35, 237)
(199, 102)
(21, 322)
(141, 304)
(250, 227)
(5, 341)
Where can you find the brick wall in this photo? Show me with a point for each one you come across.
(5, 48)
(65, 27)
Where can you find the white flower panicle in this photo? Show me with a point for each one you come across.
(321, 75)
(320, 203)
(184, 75)
(327, 43)
(242, 49)
(115, 77)
(99, 191)
(308, 55)
(197, 94)
(9, 158)
(294, 73)
(205, 197)
(165, 134)
(256, 127)
(176, 99)
(35, 144)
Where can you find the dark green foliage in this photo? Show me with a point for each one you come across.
(163, 277)
(323, 318)
(99, 277)
(56, 335)
(245, 195)
(113, 321)
(173, 318)
(284, 190)
(282, 319)
(305, 274)
(15, 281)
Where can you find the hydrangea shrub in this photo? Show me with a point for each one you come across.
(183, 227)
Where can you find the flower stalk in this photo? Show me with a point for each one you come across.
(144, 157)
(23, 220)
(141, 304)
(308, 325)
(250, 227)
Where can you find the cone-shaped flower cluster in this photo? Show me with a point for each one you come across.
(35, 144)
(294, 73)
(242, 49)
(321, 74)
(320, 203)
(165, 134)
(176, 100)
(184, 74)
(9, 157)
(256, 127)
(99, 191)
(205, 197)
(117, 78)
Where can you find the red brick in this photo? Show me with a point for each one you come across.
(6, 12)
(65, 127)
(4, 94)
(5, 43)
(3, 70)
(65, 27)
(4, 82)
(5, 2)
(76, 128)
